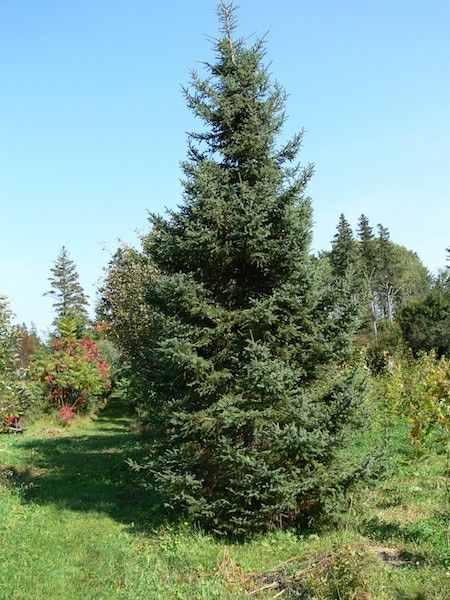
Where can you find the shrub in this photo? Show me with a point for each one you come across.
(381, 349)
(425, 323)
(419, 391)
(71, 375)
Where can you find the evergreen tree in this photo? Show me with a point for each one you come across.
(367, 265)
(70, 299)
(366, 237)
(342, 255)
(425, 321)
(383, 238)
(249, 402)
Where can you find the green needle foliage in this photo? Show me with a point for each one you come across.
(70, 300)
(343, 248)
(251, 397)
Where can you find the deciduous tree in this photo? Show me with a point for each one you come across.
(13, 399)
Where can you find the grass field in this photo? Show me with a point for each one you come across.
(75, 526)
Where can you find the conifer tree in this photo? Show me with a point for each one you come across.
(343, 250)
(70, 299)
(366, 237)
(249, 402)
(368, 267)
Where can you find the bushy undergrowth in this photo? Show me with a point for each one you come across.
(418, 391)
(14, 397)
(71, 376)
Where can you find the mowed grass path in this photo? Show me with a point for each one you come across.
(74, 525)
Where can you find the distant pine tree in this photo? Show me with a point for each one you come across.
(250, 399)
(368, 266)
(343, 248)
(366, 246)
(70, 299)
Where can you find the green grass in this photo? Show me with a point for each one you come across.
(75, 525)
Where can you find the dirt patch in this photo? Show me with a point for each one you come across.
(395, 557)
(11, 474)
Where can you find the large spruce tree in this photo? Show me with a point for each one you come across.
(251, 398)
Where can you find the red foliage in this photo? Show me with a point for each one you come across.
(74, 374)
(66, 413)
(91, 353)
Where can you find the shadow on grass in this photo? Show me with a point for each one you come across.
(88, 472)
(383, 531)
(401, 595)
(420, 532)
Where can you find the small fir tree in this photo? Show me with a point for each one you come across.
(250, 397)
(70, 299)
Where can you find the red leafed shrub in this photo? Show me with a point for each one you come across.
(66, 413)
(72, 374)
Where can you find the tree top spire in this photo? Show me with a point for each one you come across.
(226, 12)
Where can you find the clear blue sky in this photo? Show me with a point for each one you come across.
(93, 122)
